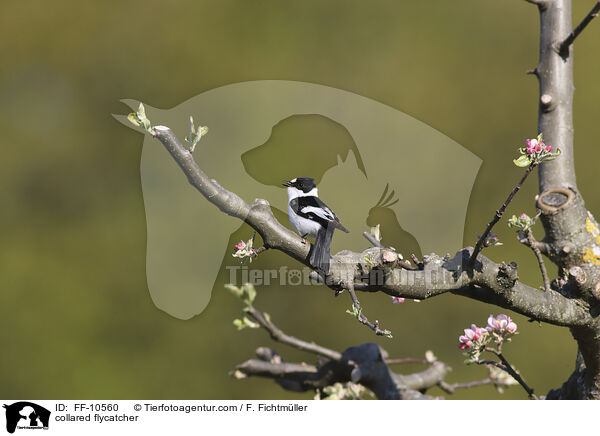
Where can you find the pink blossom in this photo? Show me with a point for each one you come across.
(477, 332)
(473, 334)
(240, 246)
(534, 146)
(464, 342)
(511, 327)
(548, 148)
(534, 143)
(398, 300)
(502, 323)
(523, 216)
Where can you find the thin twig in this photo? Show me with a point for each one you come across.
(406, 360)
(260, 250)
(450, 388)
(505, 366)
(564, 46)
(372, 239)
(498, 215)
(543, 247)
(538, 254)
(517, 377)
(416, 260)
(362, 318)
(279, 336)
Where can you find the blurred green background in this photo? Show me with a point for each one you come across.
(76, 317)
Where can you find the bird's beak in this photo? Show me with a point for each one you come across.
(286, 183)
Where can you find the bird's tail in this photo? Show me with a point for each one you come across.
(320, 256)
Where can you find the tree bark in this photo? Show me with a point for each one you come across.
(569, 227)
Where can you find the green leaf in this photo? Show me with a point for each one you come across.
(235, 290)
(355, 312)
(250, 292)
(243, 323)
(196, 133)
(522, 161)
(376, 232)
(430, 357)
(250, 324)
(139, 119)
(551, 156)
(133, 119)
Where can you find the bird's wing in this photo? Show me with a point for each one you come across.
(314, 209)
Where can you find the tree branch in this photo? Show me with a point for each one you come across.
(534, 245)
(543, 247)
(372, 239)
(362, 317)
(555, 75)
(451, 388)
(506, 367)
(498, 214)
(564, 46)
(437, 277)
(301, 378)
(279, 336)
(491, 283)
(426, 379)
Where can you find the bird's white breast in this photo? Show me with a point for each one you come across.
(303, 226)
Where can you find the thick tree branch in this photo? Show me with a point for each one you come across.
(301, 378)
(490, 283)
(555, 75)
(365, 364)
(258, 215)
(437, 277)
(426, 379)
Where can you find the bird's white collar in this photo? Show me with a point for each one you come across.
(295, 193)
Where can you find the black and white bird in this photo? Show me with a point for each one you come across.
(309, 216)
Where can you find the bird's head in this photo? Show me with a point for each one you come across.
(303, 185)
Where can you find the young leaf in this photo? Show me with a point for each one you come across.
(133, 119)
(522, 161)
(235, 290)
